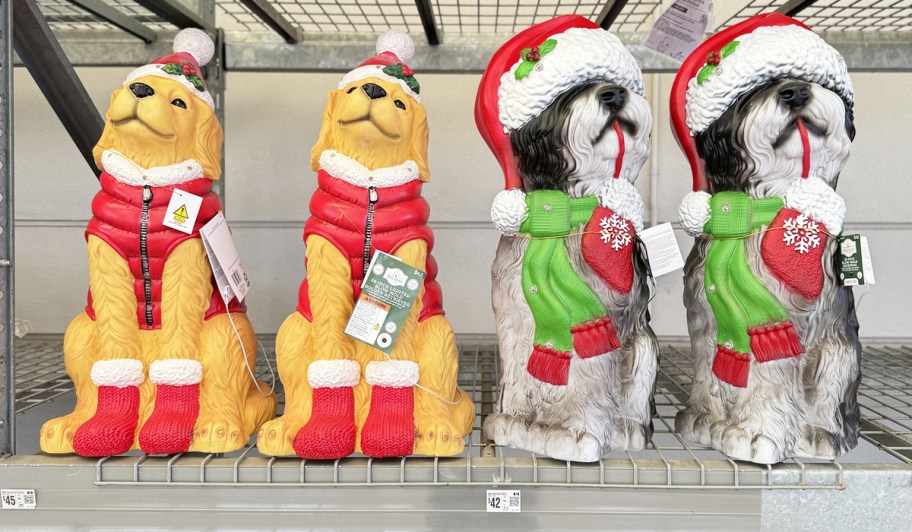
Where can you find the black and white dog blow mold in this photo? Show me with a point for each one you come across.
(763, 111)
(561, 106)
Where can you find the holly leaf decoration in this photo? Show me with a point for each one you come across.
(397, 72)
(705, 72)
(728, 49)
(524, 69)
(547, 46)
(174, 69)
(197, 82)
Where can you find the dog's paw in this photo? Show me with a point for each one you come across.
(218, 435)
(562, 443)
(628, 435)
(276, 437)
(56, 436)
(816, 442)
(694, 425)
(439, 438)
(504, 429)
(765, 451)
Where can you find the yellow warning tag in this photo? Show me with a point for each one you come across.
(180, 215)
(182, 211)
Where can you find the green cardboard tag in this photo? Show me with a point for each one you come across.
(849, 261)
(387, 296)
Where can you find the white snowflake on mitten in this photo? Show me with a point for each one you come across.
(616, 230)
(801, 233)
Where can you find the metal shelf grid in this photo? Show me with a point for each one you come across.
(351, 16)
(668, 462)
(64, 15)
(851, 15)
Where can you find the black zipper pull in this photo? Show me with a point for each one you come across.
(372, 197)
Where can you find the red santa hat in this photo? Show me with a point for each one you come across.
(756, 51)
(540, 63)
(395, 50)
(192, 49)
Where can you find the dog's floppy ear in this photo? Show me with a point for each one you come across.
(419, 146)
(105, 141)
(327, 130)
(209, 137)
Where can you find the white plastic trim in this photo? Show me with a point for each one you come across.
(694, 212)
(376, 71)
(582, 55)
(509, 210)
(333, 373)
(120, 372)
(392, 373)
(130, 173)
(767, 53)
(622, 197)
(153, 69)
(176, 371)
(816, 199)
(355, 173)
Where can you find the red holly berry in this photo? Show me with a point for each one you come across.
(535, 50)
(407, 71)
(714, 58)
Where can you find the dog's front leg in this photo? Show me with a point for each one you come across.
(176, 369)
(389, 429)
(118, 370)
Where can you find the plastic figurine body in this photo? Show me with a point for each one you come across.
(763, 111)
(155, 359)
(561, 105)
(342, 395)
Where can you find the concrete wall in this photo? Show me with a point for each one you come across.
(272, 122)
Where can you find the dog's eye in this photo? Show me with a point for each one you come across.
(351, 90)
(177, 102)
(399, 104)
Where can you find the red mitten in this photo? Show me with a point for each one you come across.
(608, 242)
(792, 249)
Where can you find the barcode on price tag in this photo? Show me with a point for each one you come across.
(18, 499)
(503, 501)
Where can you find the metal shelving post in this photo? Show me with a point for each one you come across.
(7, 321)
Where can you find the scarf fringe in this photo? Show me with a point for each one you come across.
(593, 338)
(774, 342)
(549, 365)
(731, 367)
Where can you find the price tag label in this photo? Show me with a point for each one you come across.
(662, 248)
(18, 499)
(230, 276)
(503, 501)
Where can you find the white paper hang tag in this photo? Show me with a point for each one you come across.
(681, 28)
(182, 211)
(223, 256)
(662, 248)
(866, 266)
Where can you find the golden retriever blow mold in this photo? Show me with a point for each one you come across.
(341, 395)
(155, 360)
(561, 105)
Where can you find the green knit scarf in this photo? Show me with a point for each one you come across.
(738, 299)
(557, 296)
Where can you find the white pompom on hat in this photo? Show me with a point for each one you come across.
(395, 50)
(192, 49)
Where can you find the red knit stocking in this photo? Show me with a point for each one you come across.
(390, 426)
(170, 428)
(113, 427)
(330, 432)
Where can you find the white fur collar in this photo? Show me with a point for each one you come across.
(130, 173)
(355, 173)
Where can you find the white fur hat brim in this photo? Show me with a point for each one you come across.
(582, 55)
(767, 53)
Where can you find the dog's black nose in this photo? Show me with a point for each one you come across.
(373, 90)
(795, 94)
(613, 97)
(141, 90)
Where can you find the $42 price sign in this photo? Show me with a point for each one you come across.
(503, 501)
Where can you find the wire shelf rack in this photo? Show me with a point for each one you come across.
(669, 461)
(852, 15)
(66, 15)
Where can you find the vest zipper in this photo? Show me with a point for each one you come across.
(144, 252)
(372, 197)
